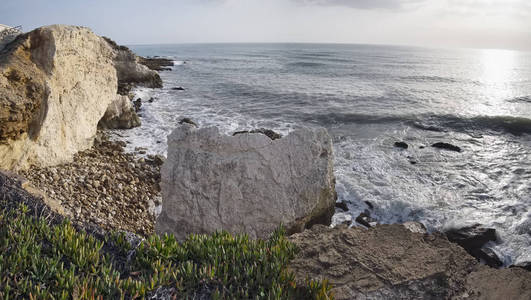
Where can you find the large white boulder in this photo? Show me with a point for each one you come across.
(120, 115)
(246, 183)
(56, 83)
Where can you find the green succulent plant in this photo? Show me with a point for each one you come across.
(39, 260)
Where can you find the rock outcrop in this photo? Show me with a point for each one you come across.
(129, 70)
(120, 115)
(392, 262)
(245, 183)
(57, 82)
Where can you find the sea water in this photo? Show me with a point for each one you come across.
(369, 97)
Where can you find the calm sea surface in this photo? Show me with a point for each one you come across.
(369, 97)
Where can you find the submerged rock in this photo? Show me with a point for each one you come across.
(120, 115)
(51, 99)
(446, 146)
(248, 184)
(342, 205)
(402, 145)
(178, 88)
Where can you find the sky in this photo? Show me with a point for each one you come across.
(492, 24)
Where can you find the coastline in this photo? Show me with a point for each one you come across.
(105, 188)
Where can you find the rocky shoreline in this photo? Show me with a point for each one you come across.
(103, 186)
(211, 181)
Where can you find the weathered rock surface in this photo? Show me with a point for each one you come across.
(392, 262)
(120, 115)
(493, 284)
(245, 183)
(130, 71)
(56, 82)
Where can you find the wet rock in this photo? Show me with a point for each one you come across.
(523, 265)
(446, 146)
(156, 63)
(471, 237)
(369, 204)
(366, 220)
(488, 256)
(188, 121)
(151, 100)
(246, 184)
(342, 205)
(138, 104)
(178, 88)
(402, 145)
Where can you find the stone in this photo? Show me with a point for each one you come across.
(156, 63)
(120, 115)
(366, 220)
(415, 227)
(488, 256)
(524, 265)
(246, 183)
(57, 82)
(138, 104)
(383, 262)
(446, 146)
(178, 88)
(402, 145)
(130, 71)
(471, 237)
(342, 205)
(188, 121)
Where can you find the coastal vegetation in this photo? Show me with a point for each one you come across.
(40, 260)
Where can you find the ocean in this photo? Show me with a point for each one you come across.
(369, 97)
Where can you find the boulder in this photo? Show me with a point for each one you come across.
(130, 71)
(471, 237)
(246, 183)
(402, 145)
(382, 262)
(342, 205)
(366, 220)
(120, 115)
(57, 82)
(446, 146)
(188, 121)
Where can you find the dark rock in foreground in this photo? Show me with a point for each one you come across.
(446, 146)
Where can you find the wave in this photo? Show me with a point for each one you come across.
(522, 99)
(439, 79)
(441, 123)
(306, 64)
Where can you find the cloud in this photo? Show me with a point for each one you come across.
(364, 4)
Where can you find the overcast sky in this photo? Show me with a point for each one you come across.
(437, 23)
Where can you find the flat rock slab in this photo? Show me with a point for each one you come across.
(246, 183)
(393, 262)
